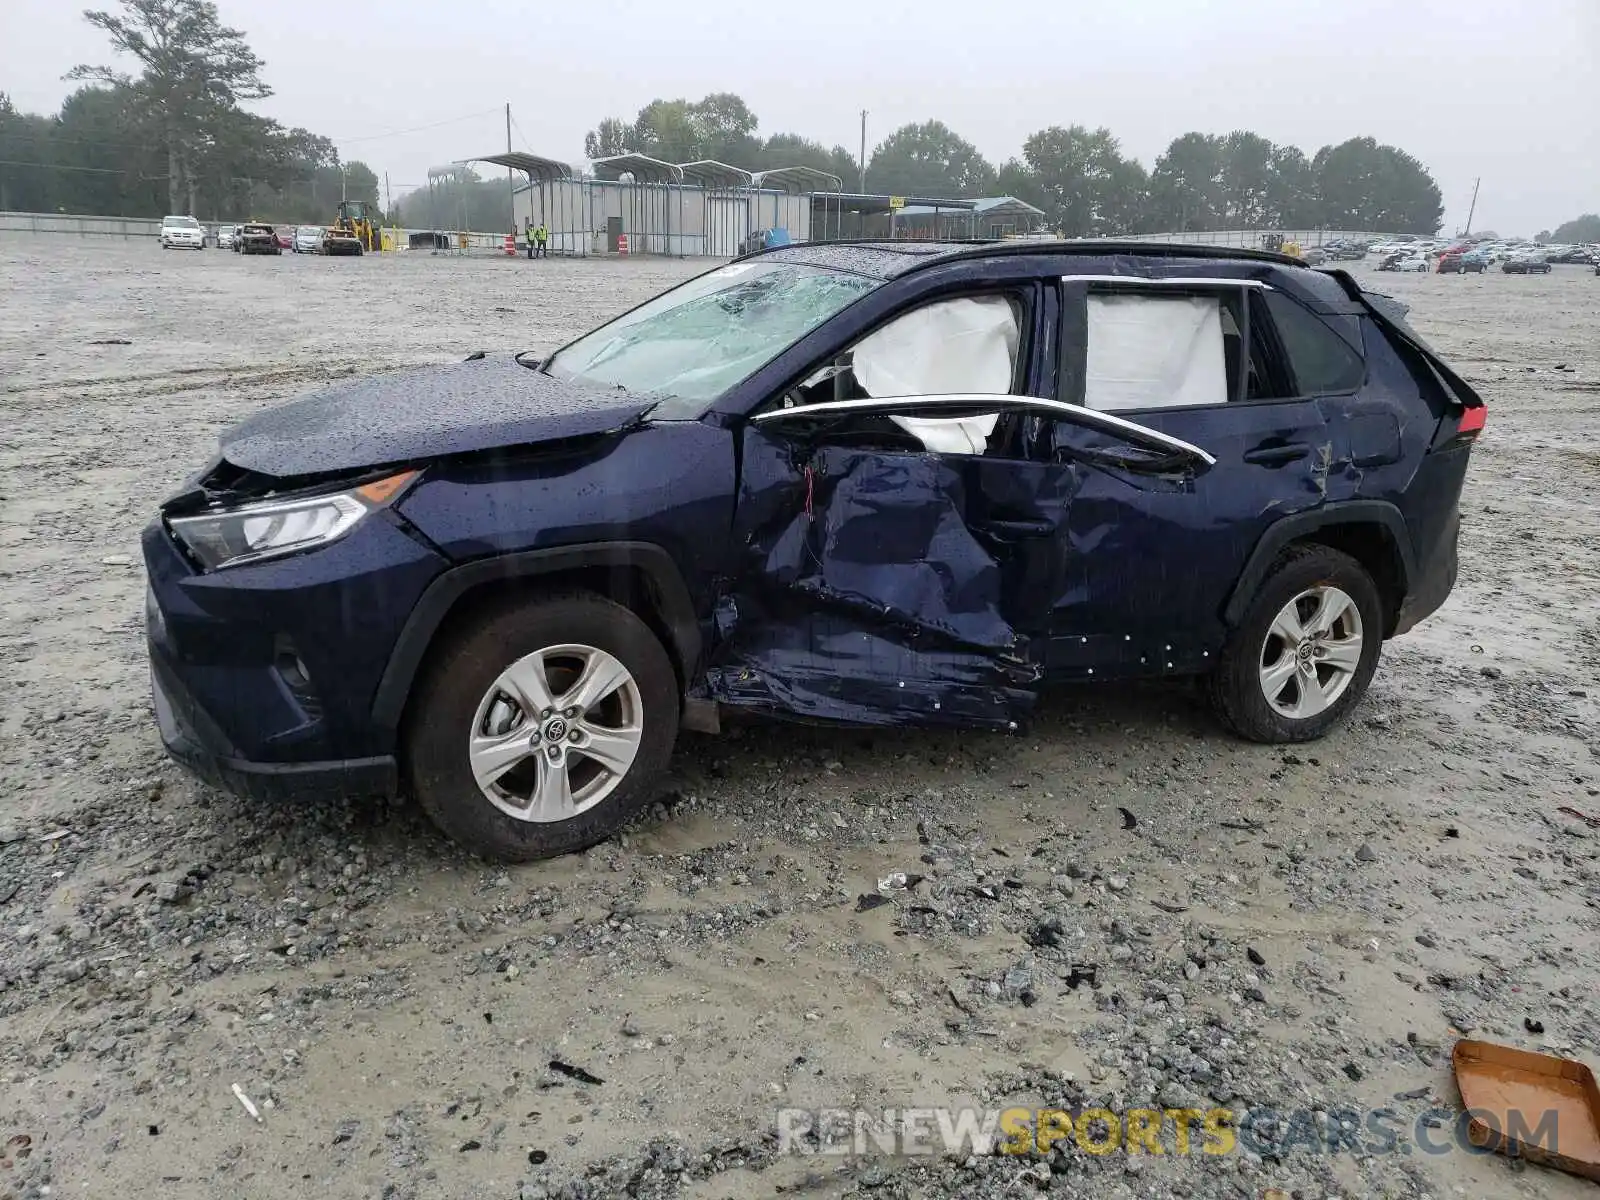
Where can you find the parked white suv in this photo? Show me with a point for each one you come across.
(182, 232)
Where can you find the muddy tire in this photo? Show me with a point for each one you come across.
(539, 727)
(1305, 652)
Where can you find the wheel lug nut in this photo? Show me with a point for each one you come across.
(574, 736)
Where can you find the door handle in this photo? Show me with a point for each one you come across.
(1275, 454)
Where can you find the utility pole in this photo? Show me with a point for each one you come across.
(1474, 208)
(511, 179)
(863, 160)
(388, 198)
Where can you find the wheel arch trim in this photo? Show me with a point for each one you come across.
(1298, 526)
(675, 608)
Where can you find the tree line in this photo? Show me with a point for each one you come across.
(172, 138)
(1580, 231)
(175, 138)
(1078, 176)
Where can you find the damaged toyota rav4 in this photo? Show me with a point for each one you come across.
(893, 485)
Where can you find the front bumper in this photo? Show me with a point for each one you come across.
(264, 675)
(194, 741)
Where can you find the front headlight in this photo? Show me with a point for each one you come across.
(252, 532)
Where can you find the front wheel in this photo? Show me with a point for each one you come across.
(1305, 652)
(541, 727)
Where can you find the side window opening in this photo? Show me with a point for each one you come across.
(1151, 350)
(1321, 361)
(949, 346)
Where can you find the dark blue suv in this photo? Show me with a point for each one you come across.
(897, 484)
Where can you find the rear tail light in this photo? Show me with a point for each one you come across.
(1460, 427)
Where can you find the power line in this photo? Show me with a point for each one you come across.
(11, 162)
(521, 135)
(372, 137)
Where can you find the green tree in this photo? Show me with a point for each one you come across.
(929, 159)
(1364, 185)
(1084, 184)
(1582, 231)
(1186, 188)
(194, 68)
(1016, 179)
(725, 129)
(666, 129)
(1292, 191)
(792, 150)
(1247, 181)
(611, 138)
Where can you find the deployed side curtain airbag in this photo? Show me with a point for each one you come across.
(1154, 352)
(962, 345)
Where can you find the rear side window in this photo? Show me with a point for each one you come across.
(1321, 360)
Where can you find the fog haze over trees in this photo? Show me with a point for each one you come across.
(161, 127)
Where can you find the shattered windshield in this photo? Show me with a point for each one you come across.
(693, 343)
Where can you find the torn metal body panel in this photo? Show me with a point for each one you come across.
(869, 591)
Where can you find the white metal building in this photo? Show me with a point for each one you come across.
(699, 208)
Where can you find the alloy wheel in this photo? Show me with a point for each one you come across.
(556, 733)
(1311, 652)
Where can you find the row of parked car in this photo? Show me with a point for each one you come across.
(256, 237)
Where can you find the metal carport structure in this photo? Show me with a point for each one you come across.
(727, 201)
(829, 210)
(558, 208)
(793, 181)
(646, 202)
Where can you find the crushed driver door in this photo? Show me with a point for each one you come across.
(882, 583)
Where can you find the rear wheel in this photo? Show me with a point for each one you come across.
(1305, 652)
(541, 727)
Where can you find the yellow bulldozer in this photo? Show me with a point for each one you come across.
(358, 221)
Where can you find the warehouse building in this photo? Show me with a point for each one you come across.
(634, 204)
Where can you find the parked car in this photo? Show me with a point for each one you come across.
(257, 238)
(1412, 262)
(285, 237)
(1475, 263)
(182, 233)
(339, 240)
(1526, 264)
(307, 239)
(505, 584)
(225, 237)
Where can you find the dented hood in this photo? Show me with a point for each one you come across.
(481, 404)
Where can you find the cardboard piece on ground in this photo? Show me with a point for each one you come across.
(1516, 1089)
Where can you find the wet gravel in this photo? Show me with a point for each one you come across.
(1119, 908)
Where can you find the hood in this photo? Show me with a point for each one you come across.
(480, 404)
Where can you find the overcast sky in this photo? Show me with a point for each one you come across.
(1505, 89)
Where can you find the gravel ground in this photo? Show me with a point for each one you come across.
(1275, 932)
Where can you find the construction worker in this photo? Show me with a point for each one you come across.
(542, 235)
(528, 232)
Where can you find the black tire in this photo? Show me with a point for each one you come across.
(1235, 688)
(461, 669)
